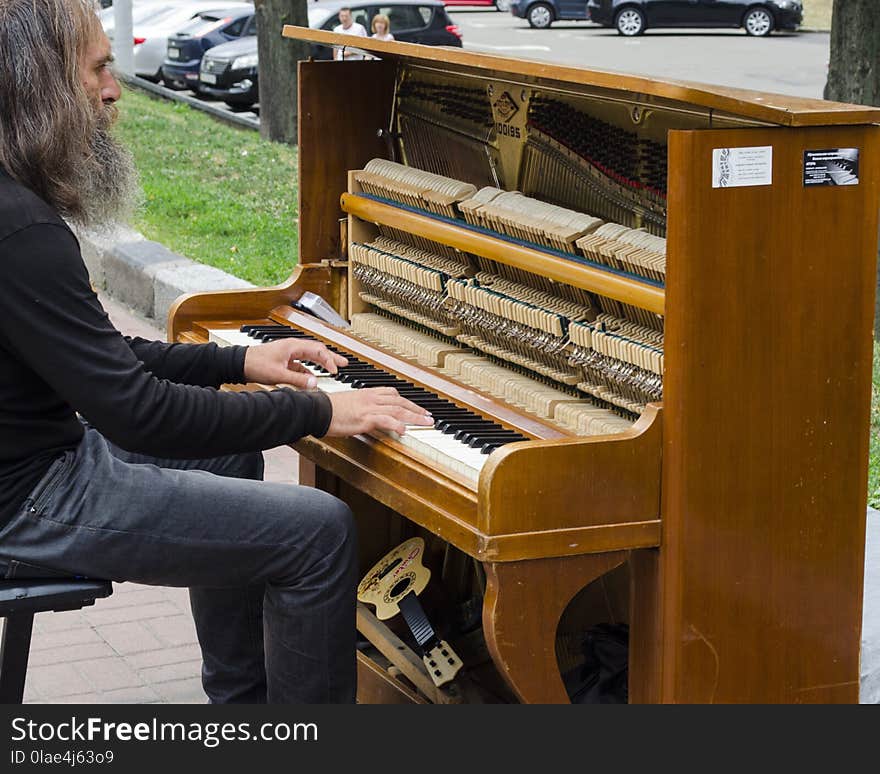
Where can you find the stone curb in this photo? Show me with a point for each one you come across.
(146, 275)
(194, 102)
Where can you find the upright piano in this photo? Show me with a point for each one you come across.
(522, 245)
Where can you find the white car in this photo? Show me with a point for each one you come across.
(142, 11)
(153, 21)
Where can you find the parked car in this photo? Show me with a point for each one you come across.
(153, 22)
(187, 46)
(633, 17)
(540, 14)
(499, 5)
(229, 71)
(141, 13)
(757, 17)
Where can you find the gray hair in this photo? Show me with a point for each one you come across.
(47, 122)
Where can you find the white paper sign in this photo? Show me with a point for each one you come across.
(736, 167)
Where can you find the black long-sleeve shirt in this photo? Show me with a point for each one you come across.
(60, 355)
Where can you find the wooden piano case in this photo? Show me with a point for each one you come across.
(737, 506)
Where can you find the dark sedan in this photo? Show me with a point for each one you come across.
(229, 72)
(186, 48)
(757, 17)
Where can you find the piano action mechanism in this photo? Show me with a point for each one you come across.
(654, 387)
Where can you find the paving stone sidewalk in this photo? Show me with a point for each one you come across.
(137, 646)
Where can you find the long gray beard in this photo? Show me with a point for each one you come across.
(108, 181)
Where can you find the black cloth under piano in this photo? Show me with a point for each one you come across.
(60, 354)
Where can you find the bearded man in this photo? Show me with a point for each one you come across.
(119, 457)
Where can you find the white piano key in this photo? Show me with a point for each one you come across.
(230, 337)
(429, 442)
(329, 385)
(444, 449)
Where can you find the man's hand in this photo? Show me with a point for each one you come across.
(275, 362)
(375, 408)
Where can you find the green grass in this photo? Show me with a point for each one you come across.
(214, 193)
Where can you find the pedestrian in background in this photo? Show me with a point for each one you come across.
(348, 26)
(382, 27)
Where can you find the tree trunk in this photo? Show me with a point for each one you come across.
(854, 68)
(278, 60)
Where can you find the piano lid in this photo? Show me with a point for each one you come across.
(743, 104)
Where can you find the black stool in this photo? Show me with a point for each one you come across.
(19, 600)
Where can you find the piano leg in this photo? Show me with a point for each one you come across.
(523, 604)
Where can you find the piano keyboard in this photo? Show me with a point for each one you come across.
(460, 440)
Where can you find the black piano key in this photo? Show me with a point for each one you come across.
(429, 397)
(252, 327)
(368, 384)
(255, 329)
(468, 419)
(470, 428)
(445, 414)
(316, 367)
(276, 335)
(280, 332)
(418, 392)
(458, 423)
(376, 376)
(481, 440)
(488, 448)
(434, 406)
(438, 405)
(445, 421)
(471, 422)
(467, 431)
(466, 436)
(348, 374)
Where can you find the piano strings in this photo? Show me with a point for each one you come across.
(547, 147)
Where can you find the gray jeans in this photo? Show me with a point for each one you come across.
(271, 567)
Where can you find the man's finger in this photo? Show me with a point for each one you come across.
(302, 381)
(387, 423)
(416, 418)
(384, 392)
(328, 359)
(389, 397)
(399, 402)
(407, 415)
